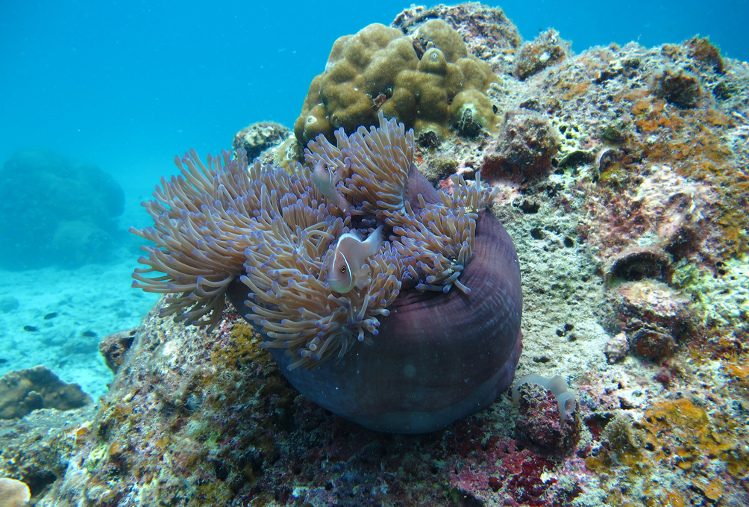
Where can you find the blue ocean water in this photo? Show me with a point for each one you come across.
(126, 86)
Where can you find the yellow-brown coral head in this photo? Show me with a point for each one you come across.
(378, 69)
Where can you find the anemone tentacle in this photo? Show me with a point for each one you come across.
(225, 219)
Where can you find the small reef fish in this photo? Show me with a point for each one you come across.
(323, 178)
(348, 266)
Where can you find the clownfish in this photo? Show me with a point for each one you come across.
(348, 267)
(322, 177)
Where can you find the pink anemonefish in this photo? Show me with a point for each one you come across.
(324, 180)
(348, 267)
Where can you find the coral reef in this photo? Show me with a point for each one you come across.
(260, 136)
(524, 149)
(36, 448)
(260, 443)
(56, 212)
(427, 81)
(616, 348)
(640, 220)
(638, 263)
(677, 87)
(22, 391)
(487, 32)
(653, 316)
(541, 423)
(114, 346)
(545, 50)
(705, 54)
(566, 401)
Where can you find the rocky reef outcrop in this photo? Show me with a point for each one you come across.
(630, 224)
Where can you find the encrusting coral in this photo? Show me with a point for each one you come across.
(265, 238)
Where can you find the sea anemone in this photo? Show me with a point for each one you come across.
(424, 298)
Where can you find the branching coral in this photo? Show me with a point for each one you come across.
(275, 232)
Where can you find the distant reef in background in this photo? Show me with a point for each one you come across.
(55, 211)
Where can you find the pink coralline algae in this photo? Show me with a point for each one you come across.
(541, 424)
(501, 471)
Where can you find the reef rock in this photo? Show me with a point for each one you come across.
(22, 391)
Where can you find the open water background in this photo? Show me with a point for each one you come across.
(127, 85)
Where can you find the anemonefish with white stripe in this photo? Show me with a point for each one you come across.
(348, 268)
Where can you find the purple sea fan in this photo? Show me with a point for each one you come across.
(402, 351)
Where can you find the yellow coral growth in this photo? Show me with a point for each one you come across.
(684, 425)
(380, 69)
(690, 436)
(740, 371)
(672, 434)
(692, 142)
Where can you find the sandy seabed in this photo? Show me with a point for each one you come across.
(57, 317)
